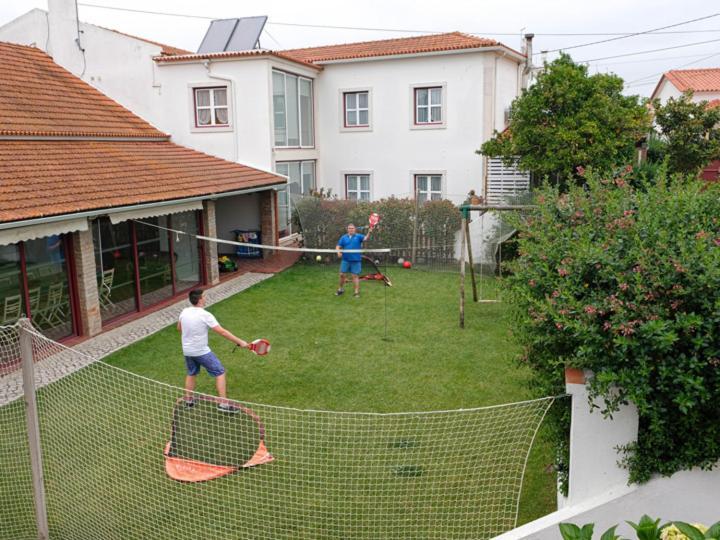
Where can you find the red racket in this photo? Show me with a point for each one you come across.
(374, 219)
(260, 346)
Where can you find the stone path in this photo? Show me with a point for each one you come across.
(96, 348)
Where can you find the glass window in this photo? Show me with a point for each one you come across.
(185, 248)
(357, 186)
(292, 110)
(154, 260)
(306, 113)
(357, 109)
(114, 261)
(48, 286)
(301, 180)
(428, 105)
(279, 115)
(428, 187)
(211, 107)
(12, 301)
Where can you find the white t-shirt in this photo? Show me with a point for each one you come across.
(195, 323)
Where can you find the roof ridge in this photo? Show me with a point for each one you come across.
(456, 33)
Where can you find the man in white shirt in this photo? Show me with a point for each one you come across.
(194, 323)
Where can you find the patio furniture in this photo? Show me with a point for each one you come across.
(106, 288)
(34, 296)
(13, 308)
(54, 311)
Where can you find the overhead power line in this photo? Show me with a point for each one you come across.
(638, 82)
(652, 30)
(649, 51)
(403, 30)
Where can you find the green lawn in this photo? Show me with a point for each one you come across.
(393, 350)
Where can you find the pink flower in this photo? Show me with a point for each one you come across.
(624, 286)
(580, 170)
(558, 326)
(590, 310)
(563, 272)
(701, 235)
(532, 283)
(555, 293)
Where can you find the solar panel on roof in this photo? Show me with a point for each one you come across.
(240, 34)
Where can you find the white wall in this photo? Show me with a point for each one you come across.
(391, 149)
(668, 90)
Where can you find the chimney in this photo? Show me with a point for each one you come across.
(527, 49)
(64, 40)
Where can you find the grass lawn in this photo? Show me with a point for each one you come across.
(393, 350)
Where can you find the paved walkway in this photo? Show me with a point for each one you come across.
(95, 348)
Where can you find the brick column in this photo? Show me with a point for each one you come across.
(87, 283)
(268, 217)
(211, 255)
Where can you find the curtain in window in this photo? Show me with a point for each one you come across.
(279, 109)
(306, 113)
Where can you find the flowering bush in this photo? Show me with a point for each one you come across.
(626, 282)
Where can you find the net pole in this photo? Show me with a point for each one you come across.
(470, 261)
(462, 272)
(415, 224)
(33, 429)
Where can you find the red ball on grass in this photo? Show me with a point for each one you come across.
(407, 264)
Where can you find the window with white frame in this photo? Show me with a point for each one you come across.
(428, 187)
(357, 187)
(211, 107)
(292, 110)
(357, 109)
(428, 105)
(301, 180)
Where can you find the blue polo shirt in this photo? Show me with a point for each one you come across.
(351, 242)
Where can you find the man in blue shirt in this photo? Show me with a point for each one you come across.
(351, 262)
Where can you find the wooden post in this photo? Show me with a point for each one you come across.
(470, 260)
(33, 429)
(462, 272)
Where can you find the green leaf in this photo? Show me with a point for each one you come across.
(713, 531)
(688, 530)
(647, 529)
(587, 531)
(569, 531)
(610, 534)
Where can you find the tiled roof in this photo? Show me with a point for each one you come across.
(388, 47)
(44, 178)
(697, 80)
(190, 57)
(38, 97)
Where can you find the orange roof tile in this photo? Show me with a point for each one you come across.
(388, 47)
(697, 80)
(39, 97)
(54, 177)
(231, 54)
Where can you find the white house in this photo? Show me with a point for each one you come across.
(368, 120)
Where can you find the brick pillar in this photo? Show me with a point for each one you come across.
(211, 255)
(87, 283)
(268, 217)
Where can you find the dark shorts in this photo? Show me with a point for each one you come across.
(209, 361)
(353, 267)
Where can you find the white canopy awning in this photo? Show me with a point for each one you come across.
(41, 230)
(152, 211)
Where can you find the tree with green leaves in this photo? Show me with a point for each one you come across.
(690, 131)
(570, 119)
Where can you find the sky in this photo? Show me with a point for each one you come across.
(692, 45)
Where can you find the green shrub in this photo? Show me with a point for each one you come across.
(646, 529)
(322, 221)
(626, 282)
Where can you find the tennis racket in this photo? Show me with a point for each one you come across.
(260, 346)
(374, 219)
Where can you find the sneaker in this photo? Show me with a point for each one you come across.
(189, 403)
(339, 292)
(227, 408)
(356, 295)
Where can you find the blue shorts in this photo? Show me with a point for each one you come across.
(209, 361)
(354, 267)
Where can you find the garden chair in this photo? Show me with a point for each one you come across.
(106, 287)
(54, 311)
(13, 309)
(34, 296)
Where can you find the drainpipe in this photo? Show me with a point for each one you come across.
(231, 99)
